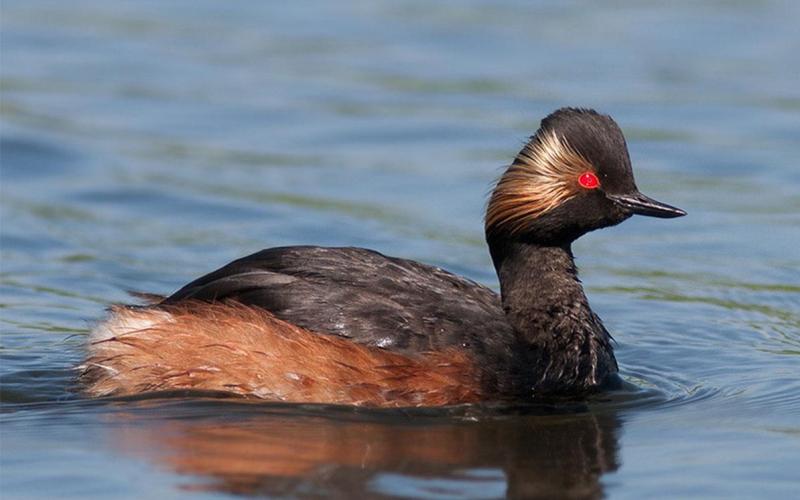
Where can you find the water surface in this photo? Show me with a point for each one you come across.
(145, 143)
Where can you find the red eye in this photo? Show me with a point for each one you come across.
(589, 180)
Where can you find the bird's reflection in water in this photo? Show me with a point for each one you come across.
(281, 452)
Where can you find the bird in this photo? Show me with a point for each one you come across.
(352, 326)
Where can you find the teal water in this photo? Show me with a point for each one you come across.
(145, 143)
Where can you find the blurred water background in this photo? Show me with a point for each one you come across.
(144, 143)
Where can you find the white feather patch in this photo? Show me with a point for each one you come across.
(128, 321)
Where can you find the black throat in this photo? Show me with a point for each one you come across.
(562, 345)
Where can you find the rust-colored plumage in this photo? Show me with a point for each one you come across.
(543, 176)
(247, 351)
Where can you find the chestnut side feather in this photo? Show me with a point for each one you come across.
(247, 351)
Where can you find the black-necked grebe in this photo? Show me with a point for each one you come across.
(353, 326)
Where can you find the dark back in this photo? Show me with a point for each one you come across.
(391, 303)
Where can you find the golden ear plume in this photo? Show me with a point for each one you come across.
(543, 176)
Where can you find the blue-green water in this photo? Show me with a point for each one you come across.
(145, 143)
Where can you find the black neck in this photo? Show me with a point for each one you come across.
(564, 345)
(536, 284)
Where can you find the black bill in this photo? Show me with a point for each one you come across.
(642, 205)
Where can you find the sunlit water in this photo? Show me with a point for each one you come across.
(145, 143)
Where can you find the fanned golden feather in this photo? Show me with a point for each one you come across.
(543, 176)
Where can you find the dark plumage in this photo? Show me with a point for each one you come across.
(381, 301)
(539, 337)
